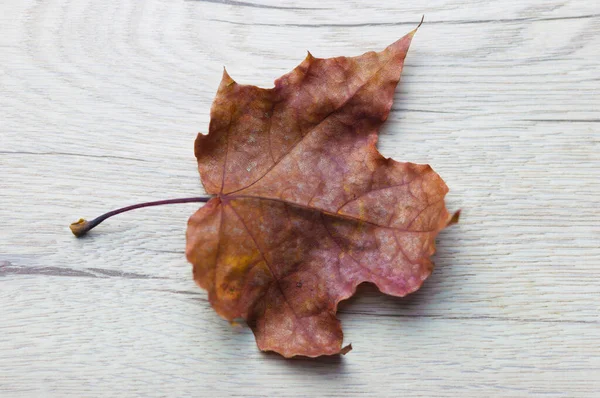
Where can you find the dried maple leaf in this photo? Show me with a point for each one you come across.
(306, 208)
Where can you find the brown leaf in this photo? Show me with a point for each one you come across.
(306, 208)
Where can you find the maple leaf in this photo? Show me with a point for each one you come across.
(306, 208)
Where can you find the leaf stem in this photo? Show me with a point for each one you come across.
(81, 227)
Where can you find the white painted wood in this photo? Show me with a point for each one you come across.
(101, 101)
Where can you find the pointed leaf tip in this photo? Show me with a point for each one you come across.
(454, 218)
(346, 349)
(412, 33)
(226, 79)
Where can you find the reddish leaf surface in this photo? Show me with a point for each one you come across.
(306, 208)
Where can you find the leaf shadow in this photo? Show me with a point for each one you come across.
(322, 367)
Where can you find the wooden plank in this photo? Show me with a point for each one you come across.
(102, 101)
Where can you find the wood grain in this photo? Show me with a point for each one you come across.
(101, 102)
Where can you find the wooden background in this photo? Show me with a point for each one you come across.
(100, 102)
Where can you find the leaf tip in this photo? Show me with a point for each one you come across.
(453, 219)
(418, 26)
(346, 349)
(226, 79)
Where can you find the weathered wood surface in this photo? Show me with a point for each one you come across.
(101, 101)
